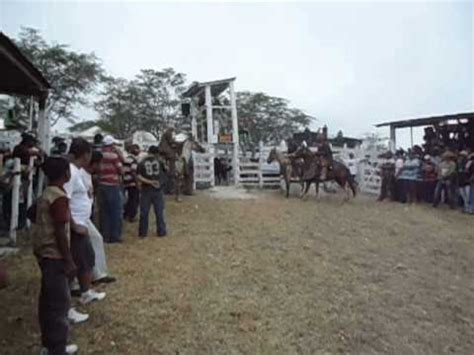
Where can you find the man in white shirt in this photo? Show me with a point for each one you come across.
(81, 208)
(351, 164)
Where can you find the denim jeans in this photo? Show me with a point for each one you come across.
(464, 192)
(53, 305)
(152, 196)
(471, 199)
(447, 186)
(110, 212)
(133, 200)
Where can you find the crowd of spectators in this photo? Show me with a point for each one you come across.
(445, 176)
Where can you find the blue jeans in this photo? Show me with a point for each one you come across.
(448, 187)
(110, 212)
(471, 200)
(464, 191)
(152, 196)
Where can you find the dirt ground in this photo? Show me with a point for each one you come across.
(274, 276)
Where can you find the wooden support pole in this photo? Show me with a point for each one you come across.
(393, 139)
(235, 133)
(30, 118)
(43, 133)
(15, 200)
(29, 193)
(209, 120)
(411, 136)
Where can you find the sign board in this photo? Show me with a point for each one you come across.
(225, 138)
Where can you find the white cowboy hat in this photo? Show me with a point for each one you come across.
(109, 140)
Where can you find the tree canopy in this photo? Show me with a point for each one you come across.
(150, 102)
(72, 75)
(267, 118)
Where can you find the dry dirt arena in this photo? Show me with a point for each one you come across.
(267, 275)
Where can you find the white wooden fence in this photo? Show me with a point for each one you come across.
(21, 193)
(256, 172)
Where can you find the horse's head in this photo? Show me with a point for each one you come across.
(272, 156)
(195, 146)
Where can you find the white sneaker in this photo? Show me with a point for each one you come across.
(76, 317)
(70, 349)
(91, 295)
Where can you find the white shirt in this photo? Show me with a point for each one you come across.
(352, 165)
(398, 165)
(79, 201)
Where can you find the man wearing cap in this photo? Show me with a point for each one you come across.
(109, 193)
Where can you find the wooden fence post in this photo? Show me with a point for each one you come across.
(15, 200)
(212, 152)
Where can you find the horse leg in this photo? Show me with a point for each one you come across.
(177, 188)
(308, 184)
(317, 188)
(287, 182)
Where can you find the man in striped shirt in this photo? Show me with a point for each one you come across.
(130, 183)
(109, 192)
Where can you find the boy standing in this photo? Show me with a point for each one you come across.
(51, 248)
(149, 173)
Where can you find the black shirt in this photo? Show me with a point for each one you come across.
(150, 168)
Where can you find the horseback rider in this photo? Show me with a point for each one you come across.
(325, 153)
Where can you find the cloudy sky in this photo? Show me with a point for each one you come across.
(351, 64)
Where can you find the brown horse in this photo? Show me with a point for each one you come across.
(184, 169)
(289, 168)
(312, 171)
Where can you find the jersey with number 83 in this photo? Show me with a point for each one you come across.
(149, 168)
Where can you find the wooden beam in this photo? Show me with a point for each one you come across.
(209, 120)
(235, 133)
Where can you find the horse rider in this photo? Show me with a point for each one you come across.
(325, 152)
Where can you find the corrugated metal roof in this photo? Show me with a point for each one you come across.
(217, 87)
(425, 121)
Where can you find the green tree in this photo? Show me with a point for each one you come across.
(72, 75)
(150, 102)
(268, 118)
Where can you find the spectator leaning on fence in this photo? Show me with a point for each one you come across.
(463, 178)
(470, 171)
(428, 182)
(446, 179)
(51, 235)
(387, 172)
(110, 196)
(409, 175)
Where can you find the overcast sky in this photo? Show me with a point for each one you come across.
(350, 64)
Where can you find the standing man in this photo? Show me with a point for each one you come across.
(81, 208)
(150, 172)
(109, 193)
(130, 183)
(446, 179)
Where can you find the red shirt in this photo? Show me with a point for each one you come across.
(110, 166)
